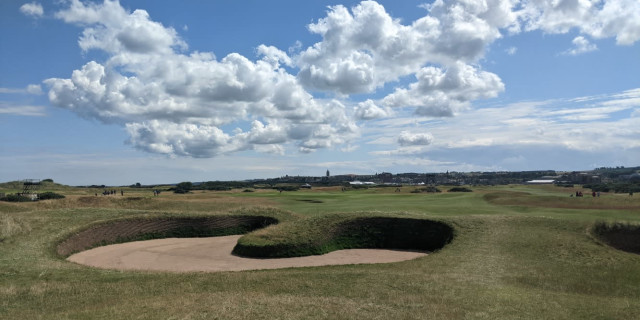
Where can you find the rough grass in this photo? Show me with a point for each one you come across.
(608, 201)
(506, 262)
(11, 225)
(144, 200)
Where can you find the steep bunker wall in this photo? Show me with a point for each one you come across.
(155, 228)
(354, 233)
(622, 236)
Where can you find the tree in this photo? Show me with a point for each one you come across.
(183, 187)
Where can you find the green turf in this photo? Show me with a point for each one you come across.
(519, 252)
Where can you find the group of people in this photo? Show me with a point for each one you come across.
(110, 192)
(593, 194)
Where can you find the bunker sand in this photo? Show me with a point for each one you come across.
(214, 254)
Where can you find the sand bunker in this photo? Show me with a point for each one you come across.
(187, 244)
(214, 254)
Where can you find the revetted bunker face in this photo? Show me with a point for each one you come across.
(397, 233)
(364, 232)
(622, 236)
(156, 228)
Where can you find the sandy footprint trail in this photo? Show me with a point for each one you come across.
(214, 254)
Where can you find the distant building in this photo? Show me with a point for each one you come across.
(327, 172)
(359, 183)
(386, 177)
(582, 177)
(540, 182)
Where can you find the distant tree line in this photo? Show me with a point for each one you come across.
(617, 187)
(183, 187)
(615, 173)
(186, 187)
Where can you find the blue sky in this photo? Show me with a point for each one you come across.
(116, 93)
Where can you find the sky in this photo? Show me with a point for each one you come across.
(115, 93)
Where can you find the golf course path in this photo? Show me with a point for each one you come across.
(214, 254)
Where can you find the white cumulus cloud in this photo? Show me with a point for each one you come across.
(364, 48)
(407, 138)
(440, 93)
(598, 19)
(111, 28)
(175, 102)
(368, 110)
(32, 9)
(580, 45)
(274, 55)
(34, 89)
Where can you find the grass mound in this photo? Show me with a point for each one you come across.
(50, 195)
(321, 235)
(15, 198)
(460, 189)
(622, 236)
(429, 189)
(119, 231)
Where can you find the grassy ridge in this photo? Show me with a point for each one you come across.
(527, 261)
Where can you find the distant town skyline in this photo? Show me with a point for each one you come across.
(119, 92)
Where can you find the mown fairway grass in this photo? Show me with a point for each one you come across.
(520, 252)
